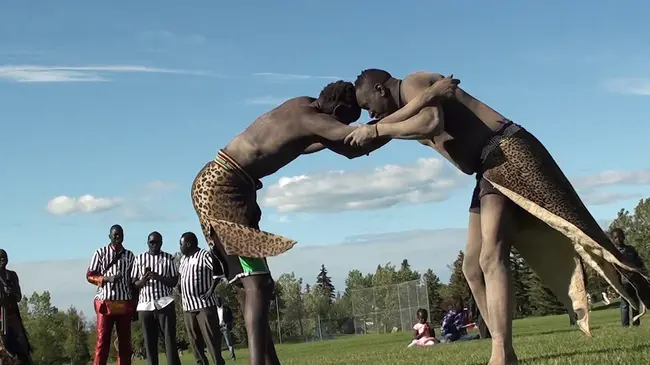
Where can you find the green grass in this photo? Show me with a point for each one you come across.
(539, 341)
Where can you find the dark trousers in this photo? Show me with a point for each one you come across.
(154, 322)
(626, 308)
(203, 330)
(105, 325)
(625, 314)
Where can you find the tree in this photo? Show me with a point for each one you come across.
(325, 283)
(294, 308)
(45, 326)
(458, 288)
(521, 274)
(434, 286)
(543, 301)
(75, 346)
(405, 272)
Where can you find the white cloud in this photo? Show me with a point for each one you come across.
(85, 204)
(602, 197)
(629, 85)
(614, 177)
(266, 100)
(427, 180)
(274, 76)
(33, 73)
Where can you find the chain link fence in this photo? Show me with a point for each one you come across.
(388, 308)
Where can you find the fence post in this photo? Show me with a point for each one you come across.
(277, 309)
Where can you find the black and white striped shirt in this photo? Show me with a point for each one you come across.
(154, 294)
(196, 278)
(98, 264)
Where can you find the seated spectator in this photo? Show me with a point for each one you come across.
(454, 326)
(423, 333)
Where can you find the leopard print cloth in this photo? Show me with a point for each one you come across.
(225, 199)
(521, 168)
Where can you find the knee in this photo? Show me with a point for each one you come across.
(472, 270)
(492, 259)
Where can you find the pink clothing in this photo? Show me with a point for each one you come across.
(424, 340)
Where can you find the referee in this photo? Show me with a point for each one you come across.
(199, 302)
(155, 275)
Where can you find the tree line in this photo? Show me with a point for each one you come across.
(302, 311)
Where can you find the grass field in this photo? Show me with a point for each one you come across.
(539, 341)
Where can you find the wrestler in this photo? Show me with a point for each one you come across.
(224, 193)
(522, 198)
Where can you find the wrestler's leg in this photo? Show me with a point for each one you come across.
(471, 265)
(257, 289)
(271, 355)
(496, 232)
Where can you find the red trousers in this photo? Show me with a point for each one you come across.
(104, 330)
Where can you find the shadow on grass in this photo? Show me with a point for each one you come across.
(534, 359)
(583, 352)
(551, 332)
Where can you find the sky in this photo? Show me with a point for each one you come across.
(108, 111)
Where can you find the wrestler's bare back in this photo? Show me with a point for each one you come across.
(468, 123)
(278, 137)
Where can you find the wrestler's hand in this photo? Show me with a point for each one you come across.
(112, 279)
(446, 87)
(154, 276)
(207, 295)
(362, 135)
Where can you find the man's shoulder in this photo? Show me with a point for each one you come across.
(421, 77)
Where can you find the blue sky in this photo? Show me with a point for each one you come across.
(126, 101)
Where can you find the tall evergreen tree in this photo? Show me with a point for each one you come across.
(521, 273)
(434, 293)
(543, 301)
(458, 289)
(324, 282)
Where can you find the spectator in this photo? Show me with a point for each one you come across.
(110, 270)
(15, 342)
(225, 322)
(423, 333)
(156, 275)
(618, 236)
(454, 325)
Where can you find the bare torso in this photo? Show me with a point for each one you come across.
(468, 124)
(274, 139)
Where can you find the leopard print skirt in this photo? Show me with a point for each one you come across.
(225, 199)
(564, 233)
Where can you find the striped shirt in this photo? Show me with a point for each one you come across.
(154, 294)
(121, 290)
(196, 278)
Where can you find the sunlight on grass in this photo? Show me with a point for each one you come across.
(538, 341)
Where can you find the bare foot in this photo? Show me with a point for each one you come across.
(510, 359)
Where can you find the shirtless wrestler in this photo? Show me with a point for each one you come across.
(521, 198)
(224, 193)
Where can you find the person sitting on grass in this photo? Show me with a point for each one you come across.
(454, 325)
(423, 333)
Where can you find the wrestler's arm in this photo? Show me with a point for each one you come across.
(426, 97)
(316, 147)
(427, 123)
(332, 133)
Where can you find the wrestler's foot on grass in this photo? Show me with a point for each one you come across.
(507, 358)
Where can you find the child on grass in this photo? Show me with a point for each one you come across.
(423, 333)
